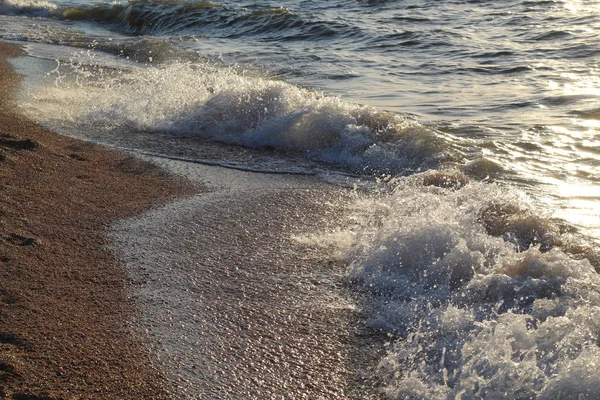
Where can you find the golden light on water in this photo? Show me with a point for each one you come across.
(578, 6)
(593, 124)
(577, 203)
(577, 191)
(581, 85)
(573, 164)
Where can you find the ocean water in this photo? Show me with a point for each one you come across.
(469, 128)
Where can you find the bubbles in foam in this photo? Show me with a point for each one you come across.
(234, 107)
(473, 284)
(473, 314)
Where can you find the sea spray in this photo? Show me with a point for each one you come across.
(185, 99)
(471, 313)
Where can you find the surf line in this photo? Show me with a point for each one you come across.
(223, 164)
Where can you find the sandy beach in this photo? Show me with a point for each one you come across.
(63, 310)
(310, 200)
(205, 297)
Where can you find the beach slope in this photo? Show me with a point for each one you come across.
(63, 308)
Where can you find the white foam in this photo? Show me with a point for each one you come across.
(473, 316)
(232, 107)
(221, 292)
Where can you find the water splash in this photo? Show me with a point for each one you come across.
(232, 106)
(480, 293)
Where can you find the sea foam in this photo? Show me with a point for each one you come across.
(236, 107)
(471, 313)
(480, 294)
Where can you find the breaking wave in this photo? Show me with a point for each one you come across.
(229, 106)
(481, 295)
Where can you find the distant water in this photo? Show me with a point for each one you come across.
(471, 128)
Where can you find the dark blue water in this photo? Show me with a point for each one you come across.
(489, 284)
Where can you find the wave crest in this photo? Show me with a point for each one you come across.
(160, 17)
(186, 99)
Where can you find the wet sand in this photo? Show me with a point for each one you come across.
(234, 307)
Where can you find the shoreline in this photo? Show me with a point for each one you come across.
(70, 297)
(64, 312)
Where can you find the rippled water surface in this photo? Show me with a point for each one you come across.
(478, 119)
(514, 82)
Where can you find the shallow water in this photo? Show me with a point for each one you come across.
(228, 308)
(469, 128)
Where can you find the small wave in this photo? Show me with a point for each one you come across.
(553, 35)
(529, 146)
(147, 17)
(566, 99)
(593, 113)
(495, 54)
(186, 99)
(483, 169)
(278, 24)
(412, 19)
(394, 40)
(156, 17)
(34, 8)
(498, 70)
(515, 70)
